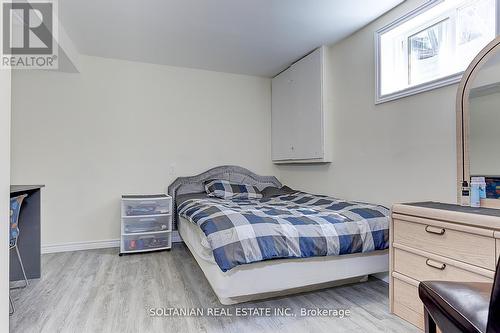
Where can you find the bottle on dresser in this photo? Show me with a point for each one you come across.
(477, 191)
(465, 194)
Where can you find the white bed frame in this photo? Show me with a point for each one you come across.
(272, 277)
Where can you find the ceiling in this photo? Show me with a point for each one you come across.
(256, 37)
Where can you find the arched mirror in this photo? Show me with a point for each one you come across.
(478, 124)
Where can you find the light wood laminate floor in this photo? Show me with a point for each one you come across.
(98, 291)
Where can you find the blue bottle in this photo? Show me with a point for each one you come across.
(475, 196)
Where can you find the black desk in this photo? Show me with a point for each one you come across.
(29, 235)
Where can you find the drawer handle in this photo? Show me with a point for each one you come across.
(435, 264)
(433, 230)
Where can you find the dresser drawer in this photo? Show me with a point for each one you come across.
(422, 268)
(435, 237)
(407, 295)
(407, 303)
(409, 315)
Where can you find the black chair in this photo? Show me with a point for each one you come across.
(15, 209)
(460, 306)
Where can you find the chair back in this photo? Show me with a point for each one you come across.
(494, 311)
(15, 209)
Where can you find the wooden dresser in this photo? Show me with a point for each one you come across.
(434, 241)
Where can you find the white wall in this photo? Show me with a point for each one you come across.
(5, 107)
(120, 127)
(394, 152)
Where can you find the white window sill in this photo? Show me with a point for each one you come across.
(439, 83)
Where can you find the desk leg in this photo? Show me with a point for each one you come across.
(29, 238)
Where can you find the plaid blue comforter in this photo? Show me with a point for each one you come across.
(296, 225)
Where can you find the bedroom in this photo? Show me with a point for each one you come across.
(163, 98)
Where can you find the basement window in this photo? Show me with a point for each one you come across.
(432, 46)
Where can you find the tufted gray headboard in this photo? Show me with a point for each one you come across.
(195, 184)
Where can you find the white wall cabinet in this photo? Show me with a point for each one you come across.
(298, 112)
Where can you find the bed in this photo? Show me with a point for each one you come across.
(238, 275)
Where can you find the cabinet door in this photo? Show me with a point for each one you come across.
(282, 122)
(297, 113)
(307, 111)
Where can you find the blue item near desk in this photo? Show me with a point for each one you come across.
(15, 209)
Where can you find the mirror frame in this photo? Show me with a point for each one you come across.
(463, 129)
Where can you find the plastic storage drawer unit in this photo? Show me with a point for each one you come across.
(146, 223)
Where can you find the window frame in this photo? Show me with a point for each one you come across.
(423, 87)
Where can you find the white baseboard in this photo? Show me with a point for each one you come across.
(79, 246)
(92, 245)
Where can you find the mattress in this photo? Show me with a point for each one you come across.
(294, 225)
(279, 276)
